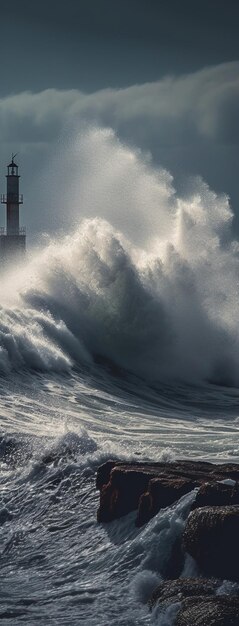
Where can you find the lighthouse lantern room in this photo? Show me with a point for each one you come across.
(12, 236)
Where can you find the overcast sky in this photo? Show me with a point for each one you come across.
(163, 73)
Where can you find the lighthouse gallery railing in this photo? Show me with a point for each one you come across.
(19, 231)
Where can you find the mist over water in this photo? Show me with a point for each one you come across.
(145, 279)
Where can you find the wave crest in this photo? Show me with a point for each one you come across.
(169, 310)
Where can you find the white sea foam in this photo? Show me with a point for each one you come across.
(143, 584)
(190, 569)
(228, 481)
(166, 309)
(166, 616)
(228, 588)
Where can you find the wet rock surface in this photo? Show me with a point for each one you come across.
(211, 538)
(161, 492)
(148, 487)
(176, 590)
(197, 603)
(210, 535)
(217, 494)
(209, 611)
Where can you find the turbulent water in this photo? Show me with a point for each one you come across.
(119, 340)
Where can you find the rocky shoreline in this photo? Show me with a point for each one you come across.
(211, 534)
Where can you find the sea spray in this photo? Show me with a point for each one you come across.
(162, 307)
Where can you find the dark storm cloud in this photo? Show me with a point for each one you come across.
(90, 44)
(189, 123)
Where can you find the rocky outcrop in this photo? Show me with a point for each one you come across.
(209, 611)
(161, 492)
(122, 492)
(211, 538)
(197, 603)
(148, 487)
(217, 494)
(173, 591)
(210, 535)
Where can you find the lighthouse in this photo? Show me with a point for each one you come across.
(12, 236)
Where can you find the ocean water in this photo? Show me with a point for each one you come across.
(58, 566)
(119, 340)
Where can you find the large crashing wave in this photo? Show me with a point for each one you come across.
(162, 304)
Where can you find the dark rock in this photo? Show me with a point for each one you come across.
(197, 603)
(161, 493)
(103, 474)
(121, 495)
(125, 487)
(209, 611)
(175, 561)
(176, 590)
(211, 537)
(217, 494)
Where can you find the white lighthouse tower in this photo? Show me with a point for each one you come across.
(12, 236)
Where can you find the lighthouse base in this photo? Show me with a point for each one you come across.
(12, 248)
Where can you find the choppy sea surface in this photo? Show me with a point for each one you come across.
(58, 566)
